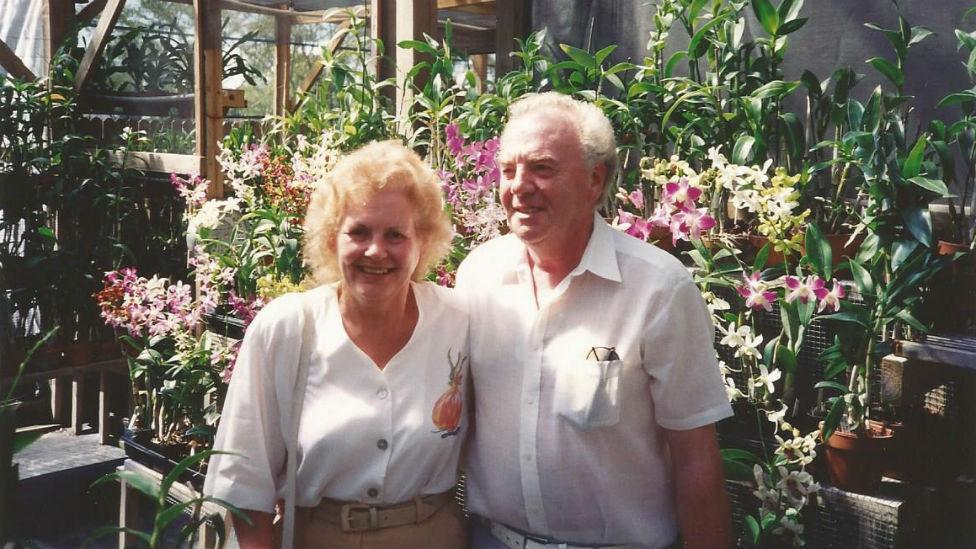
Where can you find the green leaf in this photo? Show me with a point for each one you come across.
(919, 34)
(818, 251)
(959, 97)
(135, 480)
(862, 279)
(754, 531)
(603, 53)
(934, 185)
(786, 359)
(739, 455)
(742, 152)
(833, 417)
(694, 46)
(736, 470)
(788, 10)
(419, 45)
(580, 56)
(112, 530)
(907, 318)
(919, 223)
(185, 464)
(761, 257)
(831, 385)
(901, 251)
(776, 88)
(766, 15)
(846, 316)
(791, 26)
(913, 164)
(672, 61)
(889, 70)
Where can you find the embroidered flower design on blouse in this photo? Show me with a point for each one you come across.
(447, 410)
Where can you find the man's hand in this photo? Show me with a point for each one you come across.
(704, 518)
(259, 534)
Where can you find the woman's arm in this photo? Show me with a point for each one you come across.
(257, 535)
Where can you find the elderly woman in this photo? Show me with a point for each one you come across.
(362, 376)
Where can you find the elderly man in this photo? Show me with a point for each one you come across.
(596, 384)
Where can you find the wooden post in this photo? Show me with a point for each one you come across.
(479, 66)
(77, 401)
(382, 25)
(514, 18)
(60, 18)
(208, 71)
(282, 69)
(414, 18)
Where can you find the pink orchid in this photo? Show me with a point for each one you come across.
(681, 194)
(755, 296)
(830, 299)
(454, 140)
(803, 290)
(661, 216)
(633, 225)
(637, 199)
(689, 224)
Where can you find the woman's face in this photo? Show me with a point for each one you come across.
(378, 247)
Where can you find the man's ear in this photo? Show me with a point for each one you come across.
(598, 176)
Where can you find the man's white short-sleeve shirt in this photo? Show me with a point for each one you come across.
(366, 434)
(565, 445)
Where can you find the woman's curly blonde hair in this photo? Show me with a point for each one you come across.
(359, 176)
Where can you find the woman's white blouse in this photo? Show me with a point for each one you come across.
(367, 435)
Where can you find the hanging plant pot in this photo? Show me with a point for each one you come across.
(840, 249)
(855, 461)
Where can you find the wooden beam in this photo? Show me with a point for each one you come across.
(471, 41)
(513, 19)
(208, 71)
(90, 11)
(318, 67)
(99, 40)
(448, 4)
(332, 15)
(282, 68)
(158, 162)
(13, 64)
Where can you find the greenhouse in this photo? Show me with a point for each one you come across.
(487, 274)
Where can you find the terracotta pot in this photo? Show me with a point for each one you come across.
(757, 242)
(950, 248)
(855, 462)
(840, 252)
(837, 241)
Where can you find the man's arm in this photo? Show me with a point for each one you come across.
(704, 517)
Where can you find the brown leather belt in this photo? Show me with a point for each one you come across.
(357, 517)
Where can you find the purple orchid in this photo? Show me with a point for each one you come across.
(830, 299)
(753, 291)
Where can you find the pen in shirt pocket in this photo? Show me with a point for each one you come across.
(601, 354)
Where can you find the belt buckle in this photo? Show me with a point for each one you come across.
(346, 518)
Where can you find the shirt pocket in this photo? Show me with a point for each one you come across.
(587, 393)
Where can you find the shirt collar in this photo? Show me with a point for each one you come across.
(599, 257)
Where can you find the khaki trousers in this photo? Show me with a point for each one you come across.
(445, 529)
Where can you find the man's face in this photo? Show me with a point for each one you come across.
(547, 189)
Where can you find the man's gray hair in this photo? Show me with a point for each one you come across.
(592, 126)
